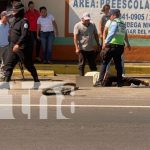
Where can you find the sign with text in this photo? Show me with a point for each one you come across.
(135, 13)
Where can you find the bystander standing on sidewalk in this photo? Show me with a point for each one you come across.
(32, 15)
(104, 17)
(46, 32)
(84, 33)
(4, 33)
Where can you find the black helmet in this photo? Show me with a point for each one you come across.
(18, 6)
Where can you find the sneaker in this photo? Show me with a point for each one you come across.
(133, 85)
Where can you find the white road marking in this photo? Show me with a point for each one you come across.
(81, 106)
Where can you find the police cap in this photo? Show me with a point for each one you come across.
(18, 6)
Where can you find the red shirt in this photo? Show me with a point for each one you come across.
(32, 17)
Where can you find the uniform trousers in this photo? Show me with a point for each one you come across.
(25, 58)
(115, 52)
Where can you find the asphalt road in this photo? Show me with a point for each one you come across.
(90, 119)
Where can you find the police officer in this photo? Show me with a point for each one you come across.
(19, 44)
(113, 46)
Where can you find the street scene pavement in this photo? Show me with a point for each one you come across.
(91, 118)
(48, 100)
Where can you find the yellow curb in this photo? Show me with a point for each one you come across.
(51, 69)
(43, 73)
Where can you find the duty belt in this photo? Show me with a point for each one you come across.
(115, 45)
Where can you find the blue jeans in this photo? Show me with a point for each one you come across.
(47, 39)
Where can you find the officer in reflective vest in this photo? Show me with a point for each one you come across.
(113, 46)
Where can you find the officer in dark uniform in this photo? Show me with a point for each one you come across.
(19, 44)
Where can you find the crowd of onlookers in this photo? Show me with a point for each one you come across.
(42, 27)
(36, 29)
(23, 34)
(110, 38)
